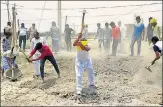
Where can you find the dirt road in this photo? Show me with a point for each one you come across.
(120, 80)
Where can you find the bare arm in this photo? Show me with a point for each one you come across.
(156, 58)
(77, 40)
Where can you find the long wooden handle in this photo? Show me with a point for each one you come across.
(82, 23)
(23, 53)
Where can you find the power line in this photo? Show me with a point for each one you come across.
(93, 8)
(131, 13)
(95, 16)
(41, 15)
(12, 4)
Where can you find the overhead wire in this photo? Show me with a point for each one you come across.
(130, 12)
(41, 15)
(93, 8)
(96, 15)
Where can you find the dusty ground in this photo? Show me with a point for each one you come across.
(120, 80)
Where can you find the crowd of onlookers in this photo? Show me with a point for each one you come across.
(112, 33)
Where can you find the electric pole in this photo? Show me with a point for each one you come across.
(14, 37)
(60, 21)
(8, 10)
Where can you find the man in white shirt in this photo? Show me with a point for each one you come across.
(22, 36)
(34, 41)
(123, 35)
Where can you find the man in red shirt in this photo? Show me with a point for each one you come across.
(116, 37)
(45, 54)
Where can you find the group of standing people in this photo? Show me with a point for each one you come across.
(153, 30)
(108, 34)
(24, 34)
(117, 34)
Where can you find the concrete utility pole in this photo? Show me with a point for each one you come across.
(60, 21)
(8, 10)
(14, 37)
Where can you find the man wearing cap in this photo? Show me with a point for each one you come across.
(156, 28)
(138, 35)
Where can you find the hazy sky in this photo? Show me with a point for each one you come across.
(28, 16)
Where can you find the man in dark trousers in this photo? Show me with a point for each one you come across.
(68, 37)
(46, 54)
(116, 34)
(22, 36)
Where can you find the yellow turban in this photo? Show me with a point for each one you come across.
(84, 43)
(153, 20)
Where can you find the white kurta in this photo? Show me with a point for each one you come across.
(83, 62)
(123, 35)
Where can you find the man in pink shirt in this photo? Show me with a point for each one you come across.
(116, 37)
(46, 53)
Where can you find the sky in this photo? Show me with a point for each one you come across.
(28, 15)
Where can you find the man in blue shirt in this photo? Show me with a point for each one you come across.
(138, 35)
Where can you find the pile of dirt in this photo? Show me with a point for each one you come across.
(113, 76)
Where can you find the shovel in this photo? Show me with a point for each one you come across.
(148, 68)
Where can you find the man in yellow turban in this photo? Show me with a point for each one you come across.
(156, 28)
(83, 62)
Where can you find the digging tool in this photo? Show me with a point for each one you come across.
(148, 68)
(84, 11)
(24, 54)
